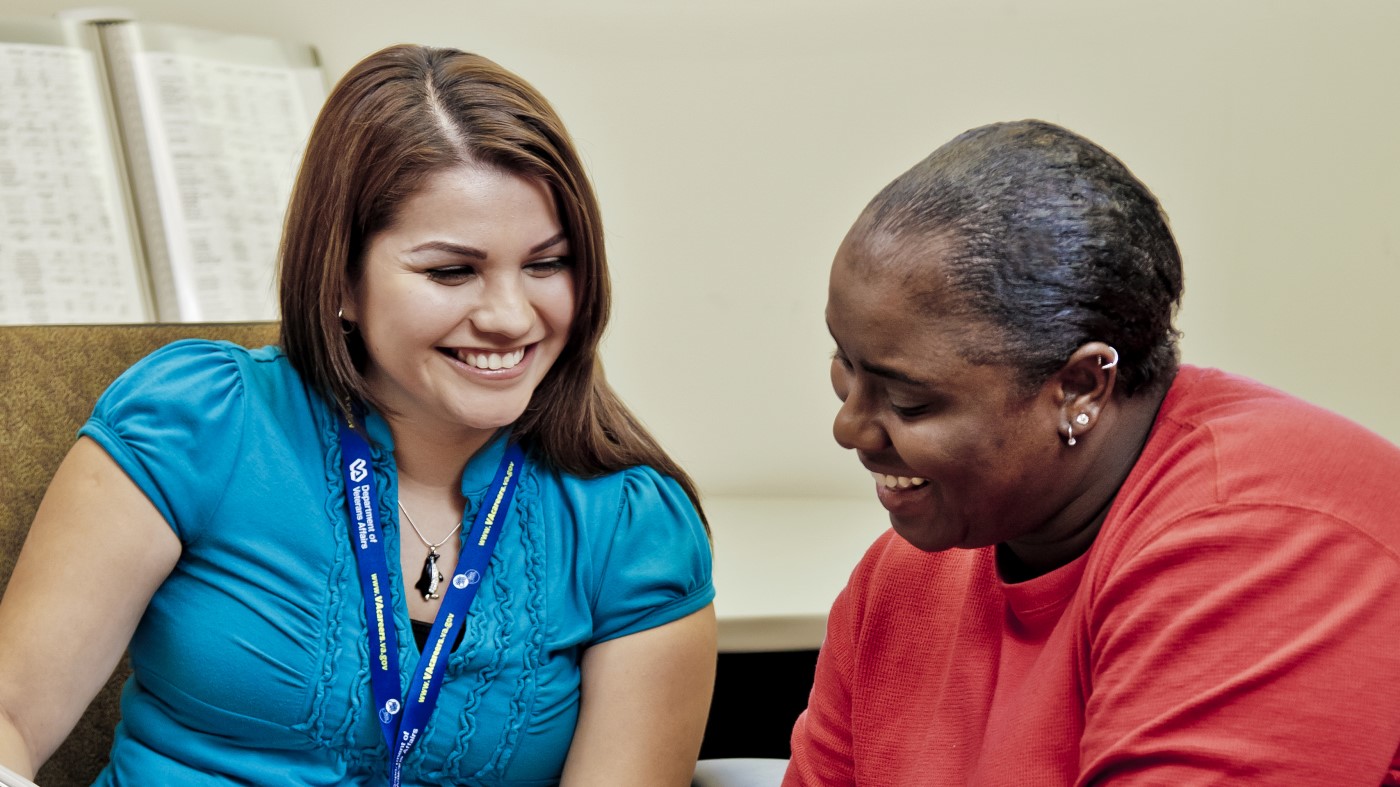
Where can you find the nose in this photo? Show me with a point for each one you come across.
(505, 308)
(856, 426)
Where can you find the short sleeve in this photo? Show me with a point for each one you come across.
(657, 568)
(173, 423)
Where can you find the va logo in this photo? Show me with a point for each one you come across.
(389, 711)
(357, 471)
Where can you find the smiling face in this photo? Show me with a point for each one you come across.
(465, 302)
(962, 455)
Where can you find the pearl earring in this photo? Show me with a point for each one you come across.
(1083, 420)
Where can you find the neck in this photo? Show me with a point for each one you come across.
(430, 460)
(1125, 428)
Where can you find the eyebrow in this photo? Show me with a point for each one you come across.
(478, 254)
(894, 374)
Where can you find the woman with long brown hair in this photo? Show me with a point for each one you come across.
(421, 541)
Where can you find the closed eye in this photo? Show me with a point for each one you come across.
(451, 274)
(923, 403)
(548, 267)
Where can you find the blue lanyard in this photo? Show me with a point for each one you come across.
(403, 719)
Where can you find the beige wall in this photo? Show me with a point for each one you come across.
(733, 141)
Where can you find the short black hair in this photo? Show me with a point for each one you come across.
(1051, 241)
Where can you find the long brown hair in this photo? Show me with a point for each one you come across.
(397, 117)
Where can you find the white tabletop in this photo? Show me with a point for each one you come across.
(9, 778)
(779, 563)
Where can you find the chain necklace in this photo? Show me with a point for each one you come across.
(431, 578)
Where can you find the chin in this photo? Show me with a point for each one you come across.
(490, 423)
(467, 424)
(920, 539)
(927, 536)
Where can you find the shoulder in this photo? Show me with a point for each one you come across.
(1237, 455)
(192, 393)
(175, 422)
(200, 374)
(190, 374)
(1242, 419)
(197, 368)
(633, 492)
(1248, 442)
(623, 515)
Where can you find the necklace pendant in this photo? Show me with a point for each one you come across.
(431, 578)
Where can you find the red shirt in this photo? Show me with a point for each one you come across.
(1237, 621)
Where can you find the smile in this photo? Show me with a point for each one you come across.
(490, 361)
(897, 481)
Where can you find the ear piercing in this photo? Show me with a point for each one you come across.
(1083, 420)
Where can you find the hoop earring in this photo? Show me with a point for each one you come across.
(1111, 363)
(346, 327)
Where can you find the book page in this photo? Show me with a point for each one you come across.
(66, 248)
(225, 140)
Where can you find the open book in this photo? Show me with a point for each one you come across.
(145, 168)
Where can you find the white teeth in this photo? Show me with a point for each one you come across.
(897, 481)
(492, 360)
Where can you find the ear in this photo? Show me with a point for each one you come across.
(1085, 387)
(349, 309)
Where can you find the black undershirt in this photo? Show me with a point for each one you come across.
(420, 632)
(421, 629)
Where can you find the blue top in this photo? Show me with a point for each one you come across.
(252, 661)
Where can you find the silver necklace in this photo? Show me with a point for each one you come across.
(431, 578)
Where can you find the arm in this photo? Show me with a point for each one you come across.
(95, 554)
(1246, 645)
(822, 752)
(645, 697)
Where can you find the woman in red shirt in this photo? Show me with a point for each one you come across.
(1104, 566)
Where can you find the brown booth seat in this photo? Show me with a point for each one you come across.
(50, 376)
